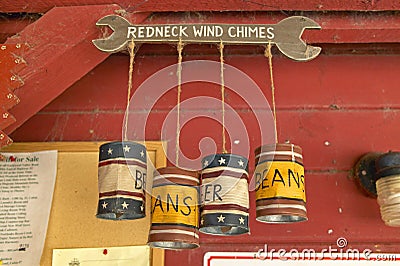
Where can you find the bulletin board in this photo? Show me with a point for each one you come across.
(73, 223)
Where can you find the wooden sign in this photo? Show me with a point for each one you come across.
(285, 35)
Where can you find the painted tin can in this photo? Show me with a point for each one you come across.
(224, 195)
(122, 172)
(174, 209)
(280, 184)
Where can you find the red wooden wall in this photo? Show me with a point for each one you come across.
(337, 107)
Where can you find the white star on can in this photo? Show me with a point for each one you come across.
(127, 148)
(125, 205)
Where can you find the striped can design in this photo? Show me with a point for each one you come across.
(174, 209)
(224, 195)
(122, 181)
(280, 187)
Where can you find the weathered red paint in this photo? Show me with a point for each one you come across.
(6, 119)
(315, 85)
(4, 139)
(11, 62)
(60, 40)
(10, 26)
(206, 5)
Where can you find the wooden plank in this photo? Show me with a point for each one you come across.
(349, 27)
(6, 118)
(60, 42)
(4, 139)
(321, 84)
(337, 27)
(7, 98)
(205, 5)
(10, 25)
(74, 146)
(11, 61)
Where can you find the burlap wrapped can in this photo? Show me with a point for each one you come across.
(121, 180)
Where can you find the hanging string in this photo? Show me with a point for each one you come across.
(268, 54)
(131, 49)
(221, 60)
(179, 74)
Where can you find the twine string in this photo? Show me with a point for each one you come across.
(131, 49)
(268, 54)
(221, 60)
(179, 74)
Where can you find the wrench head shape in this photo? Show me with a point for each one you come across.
(117, 41)
(289, 42)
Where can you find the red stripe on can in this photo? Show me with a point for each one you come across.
(121, 193)
(125, 162)
(223, 207)
(224, 173)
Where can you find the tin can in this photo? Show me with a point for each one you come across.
(280, 184)
(122, 172)
(174, 209)
(224, 195)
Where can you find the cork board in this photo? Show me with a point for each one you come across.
(72, 221)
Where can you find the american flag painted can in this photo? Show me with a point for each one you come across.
(280, 184)
(174, 209)
(224, 195)
(122, 180)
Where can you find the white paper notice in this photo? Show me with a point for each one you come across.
(111, 256)
(26, 192)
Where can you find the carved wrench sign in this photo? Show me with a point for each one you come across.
(286, 35)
